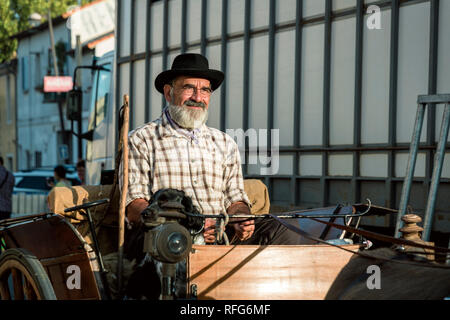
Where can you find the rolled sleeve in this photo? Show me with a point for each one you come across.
(139, 169)
(234, 182)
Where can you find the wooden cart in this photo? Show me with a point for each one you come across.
(42, 256)
(37, 254)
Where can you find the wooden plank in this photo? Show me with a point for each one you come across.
(56, 277)
(57, 271)
(68, 259)
(57, 245)
(46, 238)
(265, 272)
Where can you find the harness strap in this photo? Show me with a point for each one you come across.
(362, 254)
(381, 237)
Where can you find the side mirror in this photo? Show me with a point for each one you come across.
(74, 104)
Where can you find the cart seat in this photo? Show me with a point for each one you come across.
(61, 198)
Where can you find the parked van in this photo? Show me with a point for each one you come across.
(101, 130)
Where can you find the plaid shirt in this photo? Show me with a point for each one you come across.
(206, 165)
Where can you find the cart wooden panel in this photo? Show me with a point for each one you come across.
(57, 245)
(265, 272)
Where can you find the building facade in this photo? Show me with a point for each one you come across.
(8, 134)
(44, 133)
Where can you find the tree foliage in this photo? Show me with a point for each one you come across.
(8, 26)
(14, 16)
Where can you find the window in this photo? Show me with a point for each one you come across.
(99, 98)
(64, 146)
(33, 182)
(99, 102)
(49, 62)
(53, 97)
(28, 154)
(61, 59)
(9, 111)
(10, 162)
(38, 159)
(3, 95)
(25, 74)
(38, 79)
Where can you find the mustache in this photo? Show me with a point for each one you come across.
(191, 103)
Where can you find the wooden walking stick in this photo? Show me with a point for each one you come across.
(123, 195)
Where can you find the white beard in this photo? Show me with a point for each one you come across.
(188, 118)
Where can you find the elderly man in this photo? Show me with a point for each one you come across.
(179, 151)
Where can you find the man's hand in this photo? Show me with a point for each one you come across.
(244, 230)
(209, 231)
(134, 210)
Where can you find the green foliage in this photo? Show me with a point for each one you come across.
(14, 16)
(8, 26)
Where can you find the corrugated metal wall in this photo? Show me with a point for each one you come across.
(27, 204)
(343, 96)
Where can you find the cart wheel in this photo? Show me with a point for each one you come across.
(22, 277)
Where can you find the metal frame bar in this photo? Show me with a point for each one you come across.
(410, 167)
(183, 26)
(343, 178)
(358, 98)
(437, 170)
(131, 82)
(433, 99)
(246, 75)
(117, 55)
(148, 39)
(438, 161)
(224, 42)
(203, 36)
(326, 100)
(246, 71)
(317, 19)
(393, 71)
(271, 83)
(295, 196)
(432, 86)
(370, 147)
(165, 48)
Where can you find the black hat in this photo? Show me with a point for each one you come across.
(189, 64)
